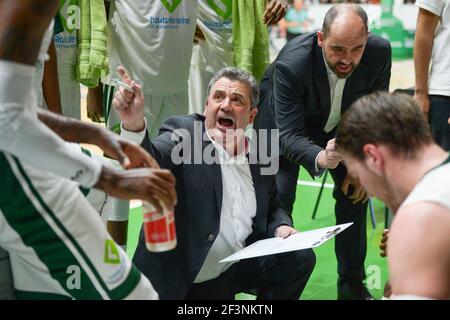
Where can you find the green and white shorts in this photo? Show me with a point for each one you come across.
(58, 245)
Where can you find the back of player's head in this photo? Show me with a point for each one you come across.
(395, 120)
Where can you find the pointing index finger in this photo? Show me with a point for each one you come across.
(124, 75)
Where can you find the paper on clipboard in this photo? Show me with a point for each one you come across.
(298, 241)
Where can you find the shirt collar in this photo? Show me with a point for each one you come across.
(225, 156)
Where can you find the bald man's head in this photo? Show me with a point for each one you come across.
(344, 14)
(343, 38)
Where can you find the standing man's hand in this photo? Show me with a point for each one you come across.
(275, 11)
(285, 231)
(384, 243)
(359, 193)
(423, 47)
(329, 158)
(94, 104)
(130, 105)
(424, 102)
(152, 185)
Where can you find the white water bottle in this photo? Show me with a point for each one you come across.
(159, 228)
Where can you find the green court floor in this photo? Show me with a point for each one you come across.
(322, 284)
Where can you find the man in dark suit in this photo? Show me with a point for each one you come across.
(314, 79)
(225, 202)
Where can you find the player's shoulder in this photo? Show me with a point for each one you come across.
(422, 211)
(421, 222)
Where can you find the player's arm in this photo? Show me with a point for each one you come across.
(423, 46)
(419, 255)
(129, 154)
(94, 99)
(22, 26)
(50, 84)
(24, 136)
(94, 103)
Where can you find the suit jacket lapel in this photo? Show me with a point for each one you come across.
(260, 218)
(214, 173)
(322, 84)
(260, 186)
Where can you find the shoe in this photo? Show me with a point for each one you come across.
(353, 290)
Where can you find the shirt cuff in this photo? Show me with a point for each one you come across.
(136, 137)
(318, 172)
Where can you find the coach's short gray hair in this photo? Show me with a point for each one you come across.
(236, 74)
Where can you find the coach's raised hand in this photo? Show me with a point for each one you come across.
(130, 105)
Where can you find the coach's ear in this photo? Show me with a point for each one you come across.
(204, 109)
(253, 113)
(320, 38)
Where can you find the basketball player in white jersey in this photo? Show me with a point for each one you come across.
(387, 144)
(56, 241)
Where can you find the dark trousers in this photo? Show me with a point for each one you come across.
(275, 277)
(350, 245)
(439, 114)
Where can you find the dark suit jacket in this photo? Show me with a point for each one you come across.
(197, 214)
(295, 94)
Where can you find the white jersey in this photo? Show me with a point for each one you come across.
(66, 53)
(67, 39)
(153, 40)
(99, 200)
(58, 246)
(439, 82)
(215, 20)
(23, 135)
(70, 102)
(434, 187)
(216, 52)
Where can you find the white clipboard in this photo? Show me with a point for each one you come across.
(298, 241)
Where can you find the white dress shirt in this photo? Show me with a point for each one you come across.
(336, 91)
(238, 210)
